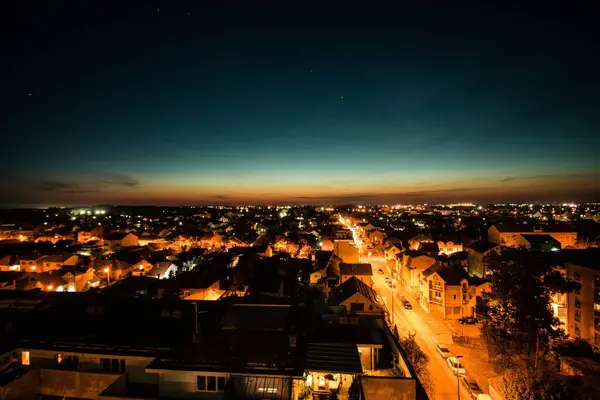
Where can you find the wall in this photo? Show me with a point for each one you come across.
(182, 384)
(586, 300)
(454, 306)
(346, 250)
(358, 298)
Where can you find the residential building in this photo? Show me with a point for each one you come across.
(357, 298)
(510, 234)
(583, 309)
(346, 250)
(476, 254)
(363, 272)
(449, 247)
(56, 261)
(375, 236)
(445, 291)
(412, 264)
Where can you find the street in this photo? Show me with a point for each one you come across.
(410, 321)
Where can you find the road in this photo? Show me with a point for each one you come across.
(409, 321)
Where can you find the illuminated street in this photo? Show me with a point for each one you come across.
(409, 321)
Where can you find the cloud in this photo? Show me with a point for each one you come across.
(55, 186)
(377, 197)
(96, 183)
(511, 178)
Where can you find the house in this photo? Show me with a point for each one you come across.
(476, 254)
(47, 281)
(544, 242)
(449, 247)
(357, 298)
(9, 263)
(363, 272)
(163, 270)
(31, 262)
(84, 236)
(414, 242)
(445, 291)
(211, 240)
(510, 234)
(375, 236)
(583, 305)
(195, 285)
(145, 239)
(115, 240)
(412, 264)
(141, 267)
(80, 278)
(346, 250)
(326, 245)
(429, 248)
(56, 261)
(392, 250)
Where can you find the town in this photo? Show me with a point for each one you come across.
(296, 302)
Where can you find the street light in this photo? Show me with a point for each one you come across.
(457, 376)
(107, 271)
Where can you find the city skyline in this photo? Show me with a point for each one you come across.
(189, 105)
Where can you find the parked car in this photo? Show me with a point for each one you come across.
(444, 351)
(455, 366)
(467, 320)
(471, 386)
(389, 283)
(380, 271)
(407, 305)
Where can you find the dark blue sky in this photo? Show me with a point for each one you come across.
(392, 103)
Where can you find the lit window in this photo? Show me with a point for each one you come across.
(25, 358)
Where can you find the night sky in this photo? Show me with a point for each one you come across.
(392, 102)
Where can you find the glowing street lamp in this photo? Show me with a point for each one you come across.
(107, 271)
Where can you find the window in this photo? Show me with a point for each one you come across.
(577, 331)
(577, 303)
(115, 365)
(210, 383)
(577, 315)
(576, 276)
(454, 297)
(25, 358)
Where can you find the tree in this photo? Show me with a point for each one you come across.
(517, 317)
(418, 359)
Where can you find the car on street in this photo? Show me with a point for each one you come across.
(444, 351)
(389, 283)
(407, 305)
(467, 320)
(471, 386)
(455, 366)
(380, 271)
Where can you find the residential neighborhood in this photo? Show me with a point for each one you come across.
(316, 281)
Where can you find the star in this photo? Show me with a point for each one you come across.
(29, 94)
(342, 97)
(158, 9)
